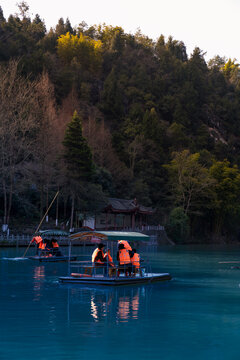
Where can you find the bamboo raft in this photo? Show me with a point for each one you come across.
(76, 278)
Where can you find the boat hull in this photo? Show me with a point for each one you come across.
(53, 258)
(116, 281)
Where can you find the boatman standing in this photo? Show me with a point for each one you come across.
(40, 244)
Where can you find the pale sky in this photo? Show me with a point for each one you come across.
(212, 25)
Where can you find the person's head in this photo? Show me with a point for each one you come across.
(134, 251)
(100, 246)
(120, 246)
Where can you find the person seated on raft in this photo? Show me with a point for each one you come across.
(124, 260)
(48, 248)
(109, 259)
(135, 260)
(55, 248)
(98, 258)
(126, 244)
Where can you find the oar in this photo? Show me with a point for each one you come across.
(41, 221)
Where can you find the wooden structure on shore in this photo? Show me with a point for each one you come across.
(121, 214)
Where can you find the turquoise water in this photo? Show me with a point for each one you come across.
(195, 316)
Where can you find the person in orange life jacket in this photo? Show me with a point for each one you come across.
(135, 260)
(112, 268)
(108, 258)
(44, 248)
(98, 258)
(126, 244)
(48, 247)
(55, 247)
(124, 260)
(40, 245)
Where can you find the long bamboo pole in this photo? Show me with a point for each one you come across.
(41, 221)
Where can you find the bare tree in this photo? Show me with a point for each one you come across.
(47, 149)
(18, 125)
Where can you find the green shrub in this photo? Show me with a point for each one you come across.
(178, 226)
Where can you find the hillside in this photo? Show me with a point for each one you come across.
(160, 125)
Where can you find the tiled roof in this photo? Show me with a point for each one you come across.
(123, 205)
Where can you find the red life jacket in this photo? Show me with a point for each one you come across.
(55, 244)
(135, 260)
(124, 257)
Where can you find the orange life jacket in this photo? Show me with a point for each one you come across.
(124, 257)
(95, 254)
(41, 245)
(135, 260)
(126, 244)
(109, 259)
(37, 239)
(55, 244)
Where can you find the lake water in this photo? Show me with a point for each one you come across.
(194, 316)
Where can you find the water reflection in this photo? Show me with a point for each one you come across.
(115, 304)
(38, 281)
(100, 306)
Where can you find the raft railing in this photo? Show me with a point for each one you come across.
(88, 269)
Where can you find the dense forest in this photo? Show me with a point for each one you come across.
(95, 112)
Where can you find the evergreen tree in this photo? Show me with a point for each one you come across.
(77, 154)
(60, 27)
(2, 18)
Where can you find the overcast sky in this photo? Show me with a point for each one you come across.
(212, 25)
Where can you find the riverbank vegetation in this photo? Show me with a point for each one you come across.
(96, 112)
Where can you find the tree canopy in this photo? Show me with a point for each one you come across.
(151, 122)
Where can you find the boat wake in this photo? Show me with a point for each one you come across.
(15, 259)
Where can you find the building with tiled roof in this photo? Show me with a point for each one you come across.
(123, 214)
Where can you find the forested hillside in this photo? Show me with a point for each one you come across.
(96, 112)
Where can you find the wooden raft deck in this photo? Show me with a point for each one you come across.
(115, 281)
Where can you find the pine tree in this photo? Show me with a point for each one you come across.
(2, 18)
(77, 154)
